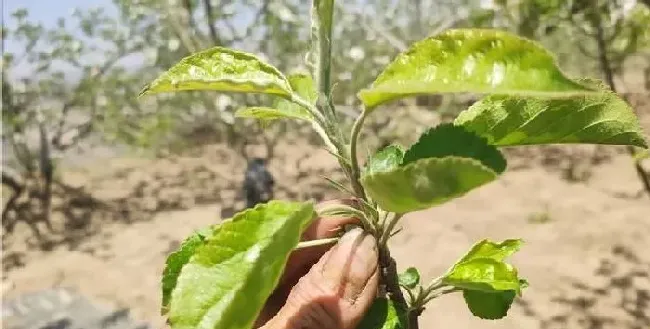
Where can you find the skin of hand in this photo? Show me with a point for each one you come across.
(325, 287)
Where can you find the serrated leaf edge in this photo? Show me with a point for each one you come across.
(426, 161)
(267, 68)
(551, 94)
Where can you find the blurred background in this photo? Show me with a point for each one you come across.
(99, 187)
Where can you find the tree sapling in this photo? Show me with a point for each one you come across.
(215, 279)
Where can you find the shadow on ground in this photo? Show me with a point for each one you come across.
(625, 290)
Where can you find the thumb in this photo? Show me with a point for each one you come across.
(337, 291)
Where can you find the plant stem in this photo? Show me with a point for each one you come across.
(322, 15)
(348, 211)
(435, 284)
(390, 277)
(389, 228)
(313, 110)
(332, 135)
(354, 160)
(326, 139)
(315, 243)
(413, 316)
(438, 294)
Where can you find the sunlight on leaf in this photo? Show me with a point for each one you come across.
(472, 60)
(228, 278)
(602, 118)
(221, 69)
(410, 278)
(269, 113)
(483, 274)
(489, 285)
(488, 249)
(445, 163)
(303, 86)
(175, 262)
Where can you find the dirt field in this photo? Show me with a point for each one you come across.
(585, 254)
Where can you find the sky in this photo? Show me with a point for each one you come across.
(47, 11)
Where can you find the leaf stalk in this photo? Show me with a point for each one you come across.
(316, 243)
(354, 160)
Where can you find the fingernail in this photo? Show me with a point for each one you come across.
(339, 256)
(351, 236)
(362, 267)
(351, 263)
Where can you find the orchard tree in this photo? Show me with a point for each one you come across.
(617, 29)
(56, 91)
(76, 82)
(173, 29)
(371, 33)
(603, 34)
(222, 276)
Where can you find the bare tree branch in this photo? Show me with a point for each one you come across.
(209, 16)
(72, 102)
(607, 70)
(14, 182)
(371, 25)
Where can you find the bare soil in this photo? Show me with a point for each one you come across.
(586, 228)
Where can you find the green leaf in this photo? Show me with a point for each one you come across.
(447, 139)
(471, 60)
(387, 159)
(175, 262)
(445, 163)
(489, 305)
(601, 118)
(269, 113)
(221, 69)
(410, 278)
(489, 285)
(426, 182)
(492, 250)
(303, 86)
(230, 276)
(483, 274)
(384, 314)
(640, 155)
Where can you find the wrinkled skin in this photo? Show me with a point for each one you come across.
(325, 287)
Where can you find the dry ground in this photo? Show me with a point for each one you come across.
(586, 253)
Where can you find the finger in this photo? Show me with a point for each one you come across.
(337, 291)
(300, 261)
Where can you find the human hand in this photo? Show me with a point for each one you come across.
(333, 293)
